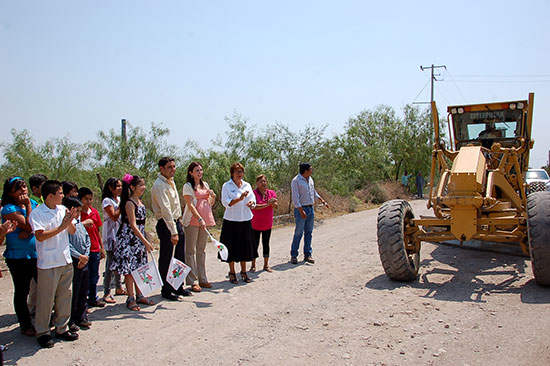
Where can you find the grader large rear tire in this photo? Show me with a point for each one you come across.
(398, 263)
(538, 222)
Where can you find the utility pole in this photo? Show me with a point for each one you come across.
(124, 145)
(433, 67)
(433, 79)
(123, 130)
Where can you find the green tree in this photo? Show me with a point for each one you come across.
(57, 158)
(138, 154)
(413, 142)
(377, 145)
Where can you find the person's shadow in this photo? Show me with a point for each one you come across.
(7, 320)
(471, 276)
(19, 345)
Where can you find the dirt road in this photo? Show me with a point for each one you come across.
(467, 308)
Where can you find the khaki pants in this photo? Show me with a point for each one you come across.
(53, 289)
(195, 254)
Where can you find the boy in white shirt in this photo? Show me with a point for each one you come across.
(51, 223)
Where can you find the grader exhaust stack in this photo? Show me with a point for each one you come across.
(476, 191)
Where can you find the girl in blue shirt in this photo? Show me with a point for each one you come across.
(20, 250)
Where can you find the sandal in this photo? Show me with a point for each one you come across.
(109, 299)
(233, 278)
(245, 277)
(143, 300)
(268, 269)
(120, 291)
(253, 268)
(195, 288)
(132, 304)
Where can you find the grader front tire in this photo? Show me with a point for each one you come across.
(399, 264)
(538, 212)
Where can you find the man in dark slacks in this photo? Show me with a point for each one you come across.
(167, 208)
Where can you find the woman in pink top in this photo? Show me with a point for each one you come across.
(196, 218)
(262, 222)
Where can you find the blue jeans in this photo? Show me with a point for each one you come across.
(93, 270)
(303, 227)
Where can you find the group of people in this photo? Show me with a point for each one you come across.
(54, 243)
(419, 181)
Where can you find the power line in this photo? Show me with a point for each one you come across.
(439, 92)
(456, 85)
(503, 81)
(420, 92)
(502, 76)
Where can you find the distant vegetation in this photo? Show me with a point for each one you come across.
(376, 145)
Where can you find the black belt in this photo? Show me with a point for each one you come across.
(140, 222)
(307, 205)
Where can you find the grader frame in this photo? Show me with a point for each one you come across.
(476, 191)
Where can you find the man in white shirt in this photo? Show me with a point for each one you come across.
(51, 224)
(167, 208)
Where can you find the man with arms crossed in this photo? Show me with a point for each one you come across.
(167, 208)
(303, 198)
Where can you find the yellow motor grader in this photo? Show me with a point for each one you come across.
(480, 193)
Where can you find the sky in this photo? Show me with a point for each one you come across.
(76, 67)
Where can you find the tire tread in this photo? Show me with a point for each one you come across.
(391, 246)
(538, 213)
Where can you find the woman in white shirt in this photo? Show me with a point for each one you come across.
(238, 199)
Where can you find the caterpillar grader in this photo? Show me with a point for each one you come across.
(477, 191)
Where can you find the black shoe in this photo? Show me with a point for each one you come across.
(45, 341)
(169, 296)
(67, 336)
(309, 260)
(74, 328)
(183, 292)
(294, 260)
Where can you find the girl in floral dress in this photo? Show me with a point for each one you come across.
(132, 246)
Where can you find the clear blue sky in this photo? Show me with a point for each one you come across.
(76, 67)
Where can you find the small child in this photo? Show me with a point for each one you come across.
(92, 221)
(35, 182)
(70, 189)
(51, 223)
(79, 244)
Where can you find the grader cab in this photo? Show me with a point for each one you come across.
(477, 191)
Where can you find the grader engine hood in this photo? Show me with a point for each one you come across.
(468, 172)
(465, 187)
